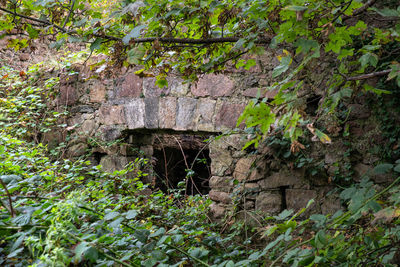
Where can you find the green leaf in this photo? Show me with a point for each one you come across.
(320, 239)
(158, 255)
(15, 253)
(397, 168)
(161, 83)
(368, 59)
(135, 55)
(80, 250)
(111, 215)
(96, 44)
(134, 33)
(304, 45)
(284, 66)
(198, 252)
(116, 223)
(10, 178)
(296, 8)
(91, 254)
(131, 214)
(159, 232)
(239, 44)
(387, 12)
(383, 168)
(142, 235)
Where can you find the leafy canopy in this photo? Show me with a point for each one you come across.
(190, 37)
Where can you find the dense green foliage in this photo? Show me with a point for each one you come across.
(352, 37)
(63, 213)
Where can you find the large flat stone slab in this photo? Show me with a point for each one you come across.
(228, 115)
(111, 115)
(167, 112)
(135, 113)
(214, 85)
(204, 115)
(151, 110)
(131, 86)
(185, 113)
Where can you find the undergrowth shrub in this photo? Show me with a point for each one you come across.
(66, 213)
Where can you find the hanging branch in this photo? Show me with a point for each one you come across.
(69, 14)
(264, 40)
(369, 75)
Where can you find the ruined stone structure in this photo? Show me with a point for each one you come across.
(169, 126)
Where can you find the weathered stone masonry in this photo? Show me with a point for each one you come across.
(133, 108)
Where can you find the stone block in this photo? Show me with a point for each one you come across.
(109, 133)
(67, 78)
(52, 138)
(252, 92)
(135, 113)
(131, 86)
(362, 171)
(151, 113)
(150, 89)
(282, 178)
(24, 57)
(222, 184)
(128, 150)
(185, 113)
(228, 115)
(82, 109)
(204, 115)
(243, 168)
(147, 150)
(111, 115)
(97, 92)
(177, 87)
(269, 202)
(88, 127)
(217, 211)
(111, 163)
(249, 205)
(297, 199)
(68, 95)
(330, 204)
(77, 150)
(167, 112)
(218, 196)
(214, 85)
(221, 162)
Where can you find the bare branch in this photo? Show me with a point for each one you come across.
(360, 10)
(369, 75)
(9, 199)
(70, 12)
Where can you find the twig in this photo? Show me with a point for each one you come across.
(360, 10)
(69, 14)
(165, 161)
(9, 198)
(369, 75)
(342, 11)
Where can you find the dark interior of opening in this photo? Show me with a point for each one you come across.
(313, 104)
(282, 190)
(192, 168)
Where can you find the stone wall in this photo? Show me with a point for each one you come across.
(105, 108)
